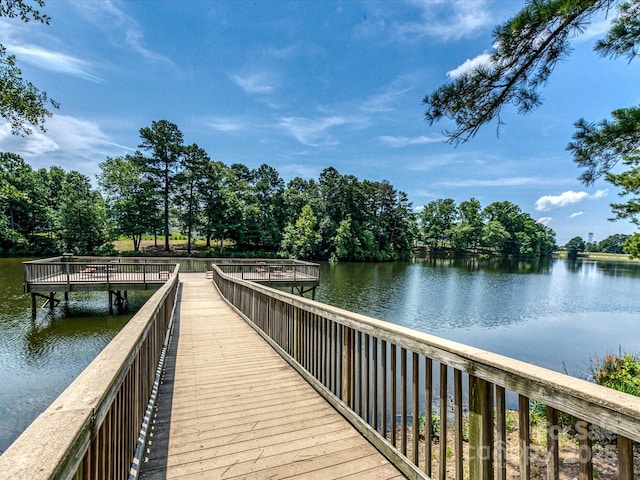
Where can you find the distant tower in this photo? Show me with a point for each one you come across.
(590, 237)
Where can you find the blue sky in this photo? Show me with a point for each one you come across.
(303, 85)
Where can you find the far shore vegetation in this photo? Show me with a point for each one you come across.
(211, 209)
(169, 187)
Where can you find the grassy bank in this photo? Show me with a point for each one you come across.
(611, 257)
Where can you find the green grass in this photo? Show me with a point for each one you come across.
(612, 257)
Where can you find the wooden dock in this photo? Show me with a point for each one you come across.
(47, 277)
(231, 407)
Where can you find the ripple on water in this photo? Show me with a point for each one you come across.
(40, 357)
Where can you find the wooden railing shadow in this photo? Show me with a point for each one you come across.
(163, 405)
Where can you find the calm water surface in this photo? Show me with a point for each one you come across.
(40, 357)
(551, 313)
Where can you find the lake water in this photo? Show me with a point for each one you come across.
(551, 313)
(40, 357)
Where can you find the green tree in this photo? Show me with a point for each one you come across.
(269, 196)
(437, 218)
(302, 239)
(546, 239)
(526, 50)
(131, 200)
(385, 220)
(510, 217)
(405, 227)
(164, 142)
(26, 215)
(574, 246)
(494, 235)
(332, 188)
(347, 244)
(189, 198)
(81, 223)
(300, 192)
(16, 177)
(613, 243)
(221, 194)
(468, 231)
(21, 102)
(262, 193)
(632, 246)
(9, 195)
(597, 147)
(51, 182)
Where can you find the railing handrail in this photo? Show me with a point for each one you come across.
(499, 369)
(305, 332)
(188, 264)
(58, 442)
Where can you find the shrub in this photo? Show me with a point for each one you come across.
(621, 372)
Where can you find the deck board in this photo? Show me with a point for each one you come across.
(231, 407)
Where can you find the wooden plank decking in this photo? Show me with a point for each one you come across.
(231, 407)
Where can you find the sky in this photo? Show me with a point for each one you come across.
(304, 85)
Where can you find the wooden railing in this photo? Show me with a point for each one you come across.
(272, 271)
(91, 430)
(91, 271)
(385, 378)
(189, 264)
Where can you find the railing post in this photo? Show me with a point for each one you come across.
(480, 429)
(347, 366)
(625, 458)
(524, 438)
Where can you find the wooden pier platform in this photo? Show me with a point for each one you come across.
(231, 407)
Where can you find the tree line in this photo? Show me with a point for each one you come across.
(617, 243)
(499, 227)
(167, 185)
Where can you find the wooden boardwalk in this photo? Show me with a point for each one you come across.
(231, 407)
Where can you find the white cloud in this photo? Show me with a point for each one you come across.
(259, 83)
(600, 194)
(30, 146)
(448, 20)
(550, 202)
(121, 27)
(469, 65)
(545, 220)
(54, 61)
(596, 29)
(386, 101)
(577, 214)
(74, 143)
(285, 53)
(498, 182)
(312, 132)
(397, 142)
(297, 170)
(442, 20)
(434, 161)
(227, 125)
(424, 194)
